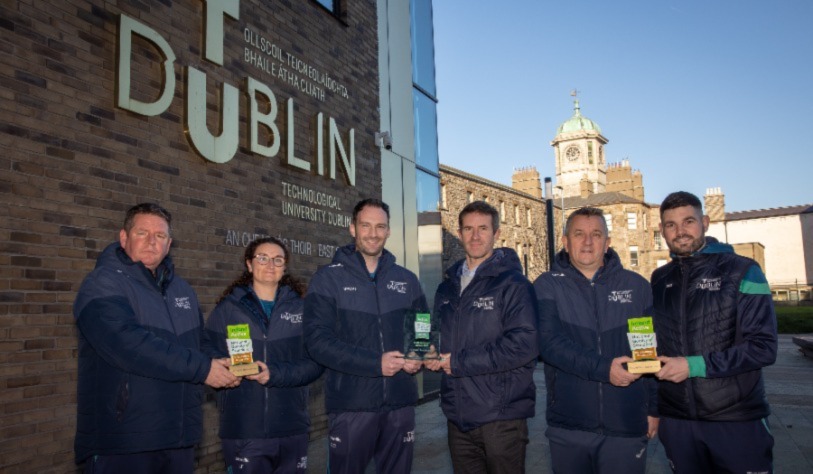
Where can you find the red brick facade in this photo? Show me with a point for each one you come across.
(72, 162)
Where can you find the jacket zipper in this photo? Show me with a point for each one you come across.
(598, 346)
(380, 337)
(684, 334)
(181, 399)
(457, 324)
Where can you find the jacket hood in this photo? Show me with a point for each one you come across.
(349, 257)
(502, 260)
(561, 263)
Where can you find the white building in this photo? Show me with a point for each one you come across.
(786, 233)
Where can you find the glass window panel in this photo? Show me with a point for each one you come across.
(428, 191)
(423, 45)
(426, 131)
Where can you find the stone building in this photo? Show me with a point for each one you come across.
(522, 214)
(778, 239)
(583, 178)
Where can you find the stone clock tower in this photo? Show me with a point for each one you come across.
(579, 151)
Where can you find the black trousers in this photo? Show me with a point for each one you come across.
(709, 447)
(494, 448)
(167, 461)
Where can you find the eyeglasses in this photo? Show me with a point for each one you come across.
(264, 259)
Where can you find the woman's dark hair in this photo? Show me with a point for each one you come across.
(246, 278)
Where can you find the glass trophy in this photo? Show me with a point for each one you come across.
(241, 350)
(643, 343)
(421, 340)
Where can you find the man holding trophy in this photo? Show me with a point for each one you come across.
(591, 311)
(356, 310)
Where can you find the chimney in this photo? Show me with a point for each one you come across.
(585, 189)
(714, 200)
(527, 181)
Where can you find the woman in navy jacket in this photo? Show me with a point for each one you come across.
(264, 422)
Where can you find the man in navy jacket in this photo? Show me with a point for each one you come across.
(716, 331)
(599, 415)
(488, 347)
(140, 368)
(354, 326)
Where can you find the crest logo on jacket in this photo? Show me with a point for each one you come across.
(183, 303)
(485, 303)
(294, 318)
(399, 286)
(710, 284)
(620, 296)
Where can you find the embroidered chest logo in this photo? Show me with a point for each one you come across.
(620, 296)
(349, 288)
(710, 284)
(399, 286)
(183, 303)
(294, 318)
(485, 303)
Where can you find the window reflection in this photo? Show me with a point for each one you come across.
(423, 45)
(426, 131)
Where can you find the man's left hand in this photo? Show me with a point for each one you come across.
(263, 376)
(675, 369)
(619, 376)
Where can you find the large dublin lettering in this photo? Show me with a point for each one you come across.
(222, 148)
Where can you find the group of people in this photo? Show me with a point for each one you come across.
(145, 353)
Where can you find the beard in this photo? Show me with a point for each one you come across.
(685, 245)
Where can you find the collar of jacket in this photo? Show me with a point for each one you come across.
(246, 296)
(352, 259)
(502, 260)
(114, 255)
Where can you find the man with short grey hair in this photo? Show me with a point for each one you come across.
(599, 414)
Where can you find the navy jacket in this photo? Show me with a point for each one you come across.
(490, 331)
(279, 408)
(140, 369)
(351, 320)
(715, 308)
(582, 328)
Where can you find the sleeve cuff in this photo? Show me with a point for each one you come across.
(697, 366)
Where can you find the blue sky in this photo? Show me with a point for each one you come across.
(695, 93)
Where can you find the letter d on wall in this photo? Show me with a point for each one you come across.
(128, 27)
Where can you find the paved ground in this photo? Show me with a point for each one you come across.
(790, 391)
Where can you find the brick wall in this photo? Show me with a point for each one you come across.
(71, 163)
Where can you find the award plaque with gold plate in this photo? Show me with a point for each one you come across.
(241, 350)
(643, 343)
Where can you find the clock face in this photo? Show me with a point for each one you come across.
(572, 153)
